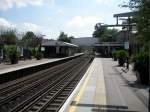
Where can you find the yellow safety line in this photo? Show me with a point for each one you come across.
(78, 97)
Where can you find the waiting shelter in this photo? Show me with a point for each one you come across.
(54, 48)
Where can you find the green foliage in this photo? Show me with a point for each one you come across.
(11, 53)
(105, 35)
(38, 55)
(141, 64)
(122, 56)
(31, 40)
(32, 51)
(143, 21)
(114, 54)
(28, 36)
(64, 37)
(8, 37)
(142, 18)
(99, 31)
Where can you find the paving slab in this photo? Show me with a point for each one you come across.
(104, 89)
(120, 93)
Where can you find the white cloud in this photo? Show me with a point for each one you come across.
(82, 25)
(6, 4)
(60, 11)
(83, 21)
(6, 24)
(31, 27)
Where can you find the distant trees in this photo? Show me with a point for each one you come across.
(28, 38)
(99, 31)
(11, 46)
(104, 34)
(8, 37)
(64, 37)
(31, 40)
(32, 43)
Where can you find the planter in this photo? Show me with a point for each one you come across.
(39, 55)
(115, 58)
(38, 58)
(12, 54)
(141, 65)
(114, 54)
(144, 77)
(121, 55)
(121, 61)
(14, 61)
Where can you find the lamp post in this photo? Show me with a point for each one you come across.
(40, 41)
(127, 39)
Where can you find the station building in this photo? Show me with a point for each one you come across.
(54, 48)
(93, 45)
(86, 44)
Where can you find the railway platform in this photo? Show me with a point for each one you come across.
(16, 71)
(24, 64)
(4, 68)
(104, 88)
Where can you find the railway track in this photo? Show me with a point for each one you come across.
(30, 79)
(55, 84)
(10, 95)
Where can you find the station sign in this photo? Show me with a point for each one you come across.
(126, 45)
(42, 48)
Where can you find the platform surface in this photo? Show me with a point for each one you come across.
(103, 89)
(4, 68)
(23, 64)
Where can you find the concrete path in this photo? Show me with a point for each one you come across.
(122, 96)
(92, 91)
(104, 88)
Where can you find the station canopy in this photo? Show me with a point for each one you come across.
(57, 43)
(126, 14)
(109, 44)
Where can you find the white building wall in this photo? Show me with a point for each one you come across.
(84, 41)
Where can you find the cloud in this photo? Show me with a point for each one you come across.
(6, 24)
(83, 21)
(31, 27)
(60, 11)
(7, 4)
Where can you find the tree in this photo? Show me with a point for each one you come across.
(8, 37)
(64, 37)
(28, 38)
(143, 22)
(142, 18)
(31, 40)
(104, 34)
(99, 31)
(11, 53)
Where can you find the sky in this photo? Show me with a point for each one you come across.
(49, 17)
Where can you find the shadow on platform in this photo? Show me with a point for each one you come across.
(103, 108)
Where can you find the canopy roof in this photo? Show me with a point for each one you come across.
(126, 14)
(57, 43)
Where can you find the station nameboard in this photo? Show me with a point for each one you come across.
(126, 45)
